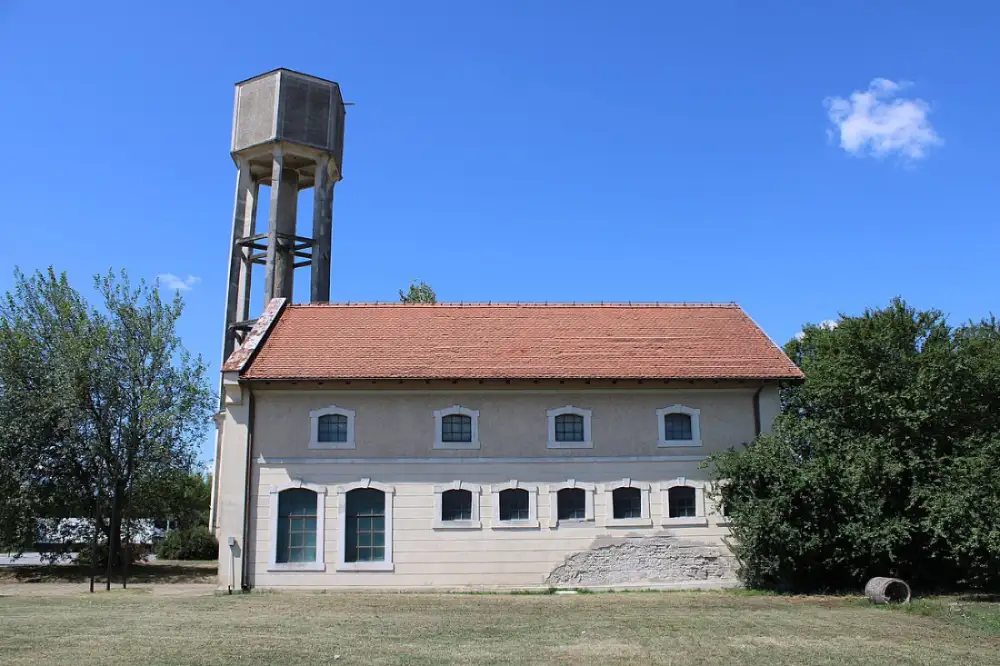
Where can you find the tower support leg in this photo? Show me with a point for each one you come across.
(322, 233)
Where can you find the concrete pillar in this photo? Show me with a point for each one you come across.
(284, 200)
(238, 265)
(246, 269)
(322, 232)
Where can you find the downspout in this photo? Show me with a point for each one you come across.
(756, 412)
(247, 495)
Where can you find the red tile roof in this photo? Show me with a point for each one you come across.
(530, 341)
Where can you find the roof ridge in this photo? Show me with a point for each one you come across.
(527, 304)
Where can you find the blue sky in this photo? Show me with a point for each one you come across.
(533, 151)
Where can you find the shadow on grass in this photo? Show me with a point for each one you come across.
(151, 572)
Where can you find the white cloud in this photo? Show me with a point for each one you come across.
(174, 283)
(879, 123)
(828, 324)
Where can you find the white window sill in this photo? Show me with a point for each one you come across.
(570, 445)
(459, 446)
(515, 524)
(695, 521)
(573, 523)
(678, 443)
(629, 522)
(296, 566)
(332, 445)
(365, 566)
(458, 525)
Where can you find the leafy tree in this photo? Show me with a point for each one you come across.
(880, 463)
(419, 292)
(99, 407)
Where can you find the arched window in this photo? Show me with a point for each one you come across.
(456, 428)
(627, 503)
(365, 529)
(514, 504)
(569, 428)
(456, 505)
(365, 534)
(678, 425)
(684, 502)
(572, 504)
(297, 526)
(681, 502)
(332, 428)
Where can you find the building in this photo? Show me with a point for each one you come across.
(485, 446)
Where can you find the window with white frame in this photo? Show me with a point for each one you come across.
(569, 428)
(297, 512)
(515, 504)
(627, 504)
(678, 425)
(572, 503)
(331, 428)
(456, 428)
(365, 519)
(684, 502)
(456, 506)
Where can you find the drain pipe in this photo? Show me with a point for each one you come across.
(247, 494)
(756, 412)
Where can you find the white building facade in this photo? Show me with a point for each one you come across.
(486, 447)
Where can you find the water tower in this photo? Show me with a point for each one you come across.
(288, 132)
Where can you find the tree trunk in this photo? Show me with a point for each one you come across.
(114, 531)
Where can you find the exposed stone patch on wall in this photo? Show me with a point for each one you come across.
(645, 561)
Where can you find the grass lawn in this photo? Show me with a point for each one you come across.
(690, 628)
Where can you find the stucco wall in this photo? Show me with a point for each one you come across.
(400, 424)
(497, 558)
(394, 431)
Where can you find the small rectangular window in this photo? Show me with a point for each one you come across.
(514, 504)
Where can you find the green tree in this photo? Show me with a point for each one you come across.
(98, 406)
(419, 292)
(879, 463)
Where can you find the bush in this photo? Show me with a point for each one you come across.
(137, 553)
(193, 543)
(883, 462)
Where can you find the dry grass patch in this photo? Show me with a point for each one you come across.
(158, 571)
(348, 628)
